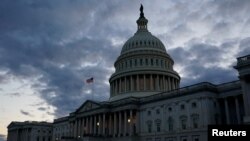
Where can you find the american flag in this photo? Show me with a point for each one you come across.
(90, 80)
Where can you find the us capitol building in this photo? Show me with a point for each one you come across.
(146, 102)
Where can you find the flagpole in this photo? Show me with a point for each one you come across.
(90, 81)
(93, 91)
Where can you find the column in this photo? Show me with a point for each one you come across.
(125, 84)
(110, 124)
(137, 121)
(94, 124)
(87, 125)
(115, 87)
(100, 125)
(237, 109)
(227, 111)
(120, 123)
(131, 122)
(164, 82)
(157, 82)
(151, 82)
(131, 83)
(83, 126)
(112, 88)
(144, 81)
(169, 84)
(114, 130)
(103, 124)
(125, 123)
(79, 128)
(75, 129)
(120, 85)
(137, 81)
(91, 125)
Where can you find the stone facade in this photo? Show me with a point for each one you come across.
(147, 104)
(30, 131)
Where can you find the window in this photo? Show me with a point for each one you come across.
(149, 124)
(157, 63)
(182, 106)
(183, 121)
(157, 111)
(194, 105)
(152, 62)
(158, 127)
(141, 62)
(170, 124)
(37, 138)
(195, 120)
(215, 104)
(170, 139)
(149, 113)
(135, 62)
(146, 62)
(195, 138)
(184, 138)
(157, 139)
(169, 109)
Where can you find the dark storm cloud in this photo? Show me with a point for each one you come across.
(61, 44)
(26, 113)
(203, 62)
(244, 47)
(42, 109)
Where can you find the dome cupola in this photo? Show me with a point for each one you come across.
(143, 67)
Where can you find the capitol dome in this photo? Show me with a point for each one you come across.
(143, 67)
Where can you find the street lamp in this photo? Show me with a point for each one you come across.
(128, 120)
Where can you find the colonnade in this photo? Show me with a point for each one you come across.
(237, 110)
(143, 82)
(115, 124)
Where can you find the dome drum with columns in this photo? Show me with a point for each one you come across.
(143, 67)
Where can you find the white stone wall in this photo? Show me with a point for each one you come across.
(60, 129)
(187, 108)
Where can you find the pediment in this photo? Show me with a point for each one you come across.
(88, 105)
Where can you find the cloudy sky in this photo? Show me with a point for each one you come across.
(48, 48)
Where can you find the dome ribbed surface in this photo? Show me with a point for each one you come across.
(143, 40)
